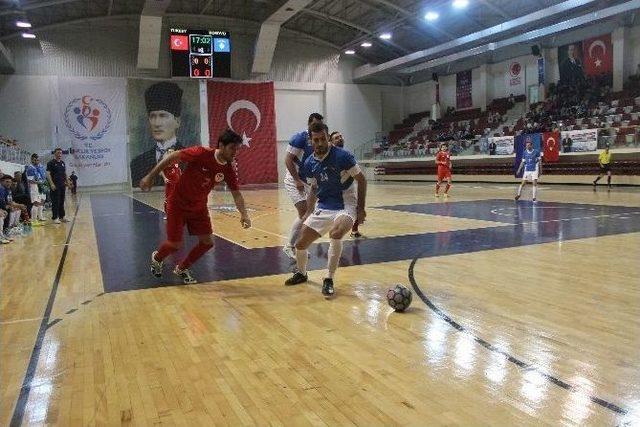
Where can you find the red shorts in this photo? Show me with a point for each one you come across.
(444, 173)
(198, 222)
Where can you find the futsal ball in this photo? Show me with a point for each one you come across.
(399, 298)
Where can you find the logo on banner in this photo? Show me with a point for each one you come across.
(551, 144)
(514, 74)
(243, 104)
(87, 118)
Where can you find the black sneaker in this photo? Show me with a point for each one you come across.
(517, 196)
(327, 287)
(296, 279)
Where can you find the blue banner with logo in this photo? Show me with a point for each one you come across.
(519, 146)
(90, 124)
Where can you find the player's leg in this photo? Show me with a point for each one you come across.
(355, 233)
(306, 237)
(600, 175)
(535, 188)
(609, 179)
(519, 191)
(175, 229)
(301, 210)
(340, 227)
(438, 184)
(448, 186)
(205, 242)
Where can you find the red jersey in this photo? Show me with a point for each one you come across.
(202, 173)
(172, 173)
(443, 159)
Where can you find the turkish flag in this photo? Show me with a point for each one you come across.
(598, 55)
(551, 144)
(247, 109)
(179, 43)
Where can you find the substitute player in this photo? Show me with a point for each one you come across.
(35, 178)
(604, 159)
(531, 160)
(187, 205)
(340, 202)
(170, 175)
(443, 161)
(337, 140)
(298, 151)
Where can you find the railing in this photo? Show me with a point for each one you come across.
(14, 154)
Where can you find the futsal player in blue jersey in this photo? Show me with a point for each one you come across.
(298, 151)
(339, 187)
(531, 161)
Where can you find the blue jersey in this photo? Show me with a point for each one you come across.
(42, 171)
(33, 174)
(332, 175)
(300, 147)
(530, 160)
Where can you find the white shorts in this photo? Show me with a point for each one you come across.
(34, 194)
(322, 219)
(296, 195)
(530, 175)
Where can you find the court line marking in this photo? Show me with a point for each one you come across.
(11, 322)
(518, 362)
(25, 389)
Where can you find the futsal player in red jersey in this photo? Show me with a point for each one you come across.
(187, 205)
(171, 175)
(443, 161)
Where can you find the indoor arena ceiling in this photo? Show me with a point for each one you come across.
(345, 24)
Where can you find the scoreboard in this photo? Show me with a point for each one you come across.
(201, 54)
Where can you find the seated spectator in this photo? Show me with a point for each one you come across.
(8, 204)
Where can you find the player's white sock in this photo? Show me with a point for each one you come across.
(14, 216)
(34, 212)
(41, 212)
(333, 256)
(535, 188)
(302, 258)
(295, 231)
(520, 189)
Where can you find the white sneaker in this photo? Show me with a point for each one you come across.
(64, 220)
(56, 221)
(185, 275)
(156, 266)
(289, 251)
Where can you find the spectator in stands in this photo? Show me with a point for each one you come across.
(3, 215)
(492, 148)
(512, 99)
(57, 177)
(566, 144)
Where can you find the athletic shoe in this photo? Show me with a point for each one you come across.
(517, 197)
(64, 220)
(327, 287)
(289, 251)
(56, 221)
(296, 279)
(4, 240)
(437, 195)
(534, 200)
(156, 266)
(356, 234)
(185, 275)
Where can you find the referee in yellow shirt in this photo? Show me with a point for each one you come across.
(605, 167)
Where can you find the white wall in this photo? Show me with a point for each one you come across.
(632, 51)
(419, 98)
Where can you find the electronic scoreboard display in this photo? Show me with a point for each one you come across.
(201, 54)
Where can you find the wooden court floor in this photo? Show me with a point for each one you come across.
(521, 315)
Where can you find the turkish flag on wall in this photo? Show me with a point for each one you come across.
(248, 109)
(598, 55)
(551, 143)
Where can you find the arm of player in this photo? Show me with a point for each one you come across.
(289, 161)
(51, 184)
(164, 177)
(520, 167)
(245, 221)
(147, 182)
(361, 181)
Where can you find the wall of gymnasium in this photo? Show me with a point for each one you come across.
(420, 97)
(309, 77)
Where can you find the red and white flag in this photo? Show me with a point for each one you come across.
(551, 144)
(598, 55)
(247, 109)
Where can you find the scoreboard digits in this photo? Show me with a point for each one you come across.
(200, 54)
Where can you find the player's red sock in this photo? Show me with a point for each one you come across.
(446, 189)
(164, 251)
(196, 252)
(437, 188)
(354, 229)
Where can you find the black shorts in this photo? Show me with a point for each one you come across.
(605, 168)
